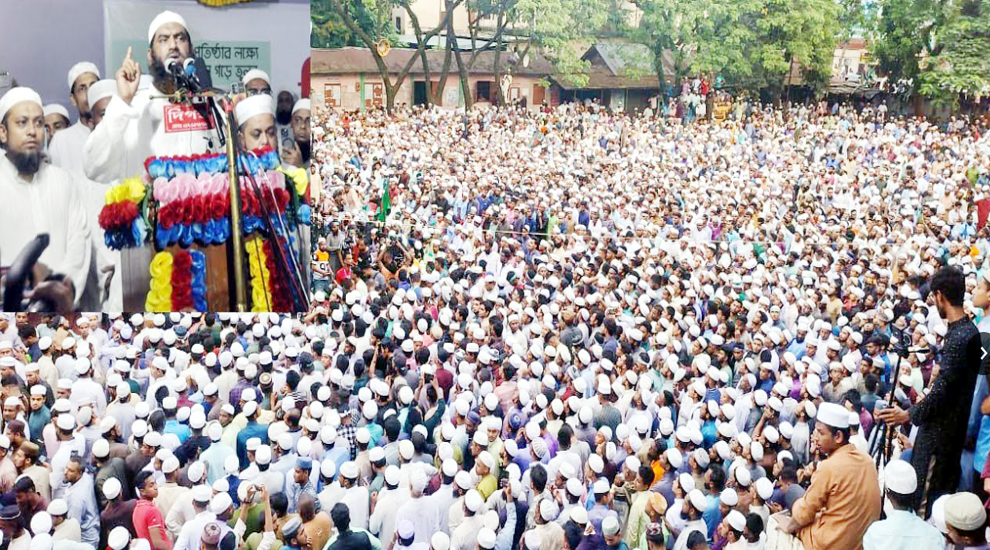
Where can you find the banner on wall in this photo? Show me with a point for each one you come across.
(227, 60)
(230, 41)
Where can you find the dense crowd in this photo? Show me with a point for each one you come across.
(678, 309)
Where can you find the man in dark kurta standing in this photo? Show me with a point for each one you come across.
(942, 415)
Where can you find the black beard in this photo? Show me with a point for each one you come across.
(283, 117)
(304, 150)
(26, 163)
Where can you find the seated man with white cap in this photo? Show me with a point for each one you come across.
(67, 151)
(257, 82)
(300, 130)
(40, 198)
(843, 499)
(135, 125)
(902, 528)
(966, 521)
(56, 120)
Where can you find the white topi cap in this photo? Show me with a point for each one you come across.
(101, 90)
(833, 415)
(80, 69)
(255, 73)
(252, 107)
(55, 109)
(302, 104)
(18, 95)
(162, 19)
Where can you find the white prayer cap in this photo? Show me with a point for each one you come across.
(440, 541)
(58, 507)
(80, 69)
(729, 497)
(473, 500)
(901, 477)
(164, 18)
(698, 500)
(101, 90)
(764, 488)
(965, 512)
(41, 523)
(254, 106)
(736, 520)
(54, 109)
(256, 73)
(101, 449)
(220, 503)
(486, 538)
(833, 415)
(111, 488)
(15, 96)
(302, 104)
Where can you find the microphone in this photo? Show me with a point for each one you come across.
(197, 73)
(173, 68)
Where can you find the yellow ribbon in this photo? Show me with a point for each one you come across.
(160, 295)
(260, 276)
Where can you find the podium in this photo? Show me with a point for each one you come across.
(214, 232)
(137, 282)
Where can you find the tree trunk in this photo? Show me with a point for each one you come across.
(444, 71)
(391, 89)
(661, 78)
(463, 75)
(390, 93)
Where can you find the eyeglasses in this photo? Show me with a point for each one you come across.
(263, 91)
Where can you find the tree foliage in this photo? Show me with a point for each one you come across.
(750, 43)
(329, 30)
(942, 46)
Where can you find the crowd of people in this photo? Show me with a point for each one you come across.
(756, 333)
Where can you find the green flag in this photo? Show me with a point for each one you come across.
(386, 202)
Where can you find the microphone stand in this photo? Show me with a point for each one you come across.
(224, 123)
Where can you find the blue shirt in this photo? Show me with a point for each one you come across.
(214, 456)
(179, 429)
(902, 530)
(253, 429)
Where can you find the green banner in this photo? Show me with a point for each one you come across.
(227, 60)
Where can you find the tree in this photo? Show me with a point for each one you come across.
(942, 47)
(329, 30)
(902, 33)
(805, 31)
(381, 13)
(750, 43)
(960, 55)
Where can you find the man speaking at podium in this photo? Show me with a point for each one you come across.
(141, 123)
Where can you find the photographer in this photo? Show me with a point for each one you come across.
(941, 415)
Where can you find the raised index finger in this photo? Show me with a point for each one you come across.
(128, 54)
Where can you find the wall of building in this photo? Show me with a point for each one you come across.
(346, 89)
(428, 12)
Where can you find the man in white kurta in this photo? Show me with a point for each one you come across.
(106, 262)
(66, 149)
(140, 123)
(45, 201)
